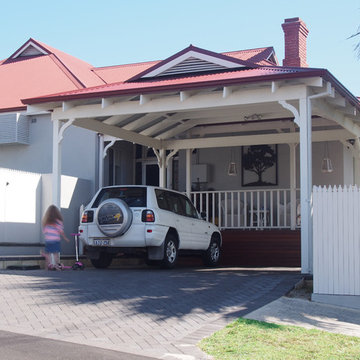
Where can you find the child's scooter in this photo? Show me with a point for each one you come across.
(78, 264)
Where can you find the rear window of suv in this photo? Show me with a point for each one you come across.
(132, 196)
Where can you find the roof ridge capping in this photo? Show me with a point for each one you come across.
(192, 59)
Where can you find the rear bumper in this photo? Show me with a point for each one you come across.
(138, 236)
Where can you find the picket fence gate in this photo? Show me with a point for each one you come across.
(336, 240)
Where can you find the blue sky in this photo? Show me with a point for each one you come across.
(112, 32)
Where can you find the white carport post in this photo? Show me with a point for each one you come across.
(56, 166)
(357, 162)
(306, 184)
(162, 168)
(102, 155)
(58, 135)
(188, 172)
(293, 185)
(169, 168)
(303, 119)
(101, 161)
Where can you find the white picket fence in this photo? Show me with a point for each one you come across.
(336, 237)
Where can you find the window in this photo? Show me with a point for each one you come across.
(189, 208)
(175, 203)
(133, 196)
(162, 199)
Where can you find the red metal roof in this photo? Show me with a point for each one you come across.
(79, 68)
(53, 71)
(33, 78)
(30, 76)
(199, 52)
(258, 56)
(120, 73)
(227, 78)
(182, 83)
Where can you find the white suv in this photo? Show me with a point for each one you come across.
(148, 221)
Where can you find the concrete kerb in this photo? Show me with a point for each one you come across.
(32, 262)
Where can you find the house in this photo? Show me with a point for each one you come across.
(26, 145)
(242, 135)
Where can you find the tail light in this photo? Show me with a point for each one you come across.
(87, 217)
(148, 216)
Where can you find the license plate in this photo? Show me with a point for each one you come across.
(101, 242)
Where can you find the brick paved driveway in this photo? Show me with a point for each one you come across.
(145, 311)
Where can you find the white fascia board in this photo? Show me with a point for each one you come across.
(195, 54)
(199, 101)
(22, 49)
(37, 109)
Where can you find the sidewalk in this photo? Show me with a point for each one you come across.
(310, 315)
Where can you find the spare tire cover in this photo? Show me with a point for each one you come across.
(113, 217)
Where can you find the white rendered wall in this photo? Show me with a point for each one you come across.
(24, 198)
(79, 151)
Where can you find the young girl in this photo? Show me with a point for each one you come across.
(53, 229)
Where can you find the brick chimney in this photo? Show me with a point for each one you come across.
(296, 32)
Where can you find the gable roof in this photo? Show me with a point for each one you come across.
(36, 69)
(121, 73)
(261, 56)
(192, 60)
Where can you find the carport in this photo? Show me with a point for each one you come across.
(199, 99)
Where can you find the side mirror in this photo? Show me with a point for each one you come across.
(203, 215)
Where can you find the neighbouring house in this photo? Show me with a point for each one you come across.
(26, 145)
(242, 135)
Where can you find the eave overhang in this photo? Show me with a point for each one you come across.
(122, 89)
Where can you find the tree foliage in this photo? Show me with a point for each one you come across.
(357, 47)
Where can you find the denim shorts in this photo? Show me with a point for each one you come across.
(52, 247)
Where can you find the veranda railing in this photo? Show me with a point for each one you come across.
(249, 209)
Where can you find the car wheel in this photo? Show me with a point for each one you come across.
(170, 252)
(212, 254)
(103, 261)
(113, 217)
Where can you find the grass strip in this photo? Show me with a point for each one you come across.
(257, 340)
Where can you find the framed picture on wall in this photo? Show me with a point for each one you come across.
(259, 165)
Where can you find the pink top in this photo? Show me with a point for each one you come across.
(52, 231)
